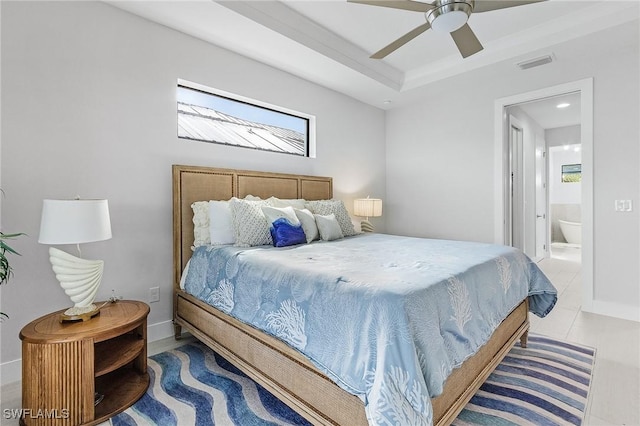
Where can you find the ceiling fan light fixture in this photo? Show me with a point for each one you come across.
(449, 15)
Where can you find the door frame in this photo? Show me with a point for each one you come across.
(501, 170)
(515, 220)
(542, 166)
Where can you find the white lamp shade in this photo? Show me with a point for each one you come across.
(74, 221)
(367, 207)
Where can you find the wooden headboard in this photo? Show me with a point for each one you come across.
(193, 183)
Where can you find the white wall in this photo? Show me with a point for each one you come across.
(562, 143)
(440, 156)
(89, 108)
(560, 136)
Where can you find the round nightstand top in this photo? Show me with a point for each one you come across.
(113, 318)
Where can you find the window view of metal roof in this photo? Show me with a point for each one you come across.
(208, 125)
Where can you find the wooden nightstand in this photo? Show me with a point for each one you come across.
(65, 364)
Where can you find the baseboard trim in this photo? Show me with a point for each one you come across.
(615, 310)
(159, 331)
(11, 371)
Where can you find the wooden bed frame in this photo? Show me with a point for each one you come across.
(275, 365)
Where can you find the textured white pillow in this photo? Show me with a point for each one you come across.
(201, 234)
(296, 203)
(220, 224)
(249, 224)
(326, 207)
(308, 224)
(274, 213)
(328, 227)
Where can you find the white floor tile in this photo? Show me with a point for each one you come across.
(615, 389)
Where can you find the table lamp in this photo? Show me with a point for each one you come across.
(367, 207)
(76, 222)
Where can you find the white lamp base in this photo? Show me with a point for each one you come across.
(366, 226)
(80, 279)
(81, 311)
(80, 314)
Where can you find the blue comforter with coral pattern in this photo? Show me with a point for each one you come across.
(386, 317)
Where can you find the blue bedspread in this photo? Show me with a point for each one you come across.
(386, 317)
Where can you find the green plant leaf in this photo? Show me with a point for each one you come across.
(6, 236)
(4, 247)
(5, 267)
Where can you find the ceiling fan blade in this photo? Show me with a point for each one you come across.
(401, 41)
(466, 40)
(489, 5)
(397, 4)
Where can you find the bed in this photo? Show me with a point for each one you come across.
(302, 382)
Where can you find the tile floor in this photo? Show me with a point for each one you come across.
(614, 398)
(615, 391)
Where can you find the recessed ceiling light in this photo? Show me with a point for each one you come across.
(386, 102)
(563, 105)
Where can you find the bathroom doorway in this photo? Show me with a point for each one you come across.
(565, 193)
(555, 207)
(542, 176)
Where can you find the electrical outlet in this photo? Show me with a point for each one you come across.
(154, 294)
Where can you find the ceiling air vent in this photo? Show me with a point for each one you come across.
(535, 62)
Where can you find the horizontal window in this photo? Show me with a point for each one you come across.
(211, 115)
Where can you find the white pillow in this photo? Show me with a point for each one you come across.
(328, 227)
(220, 224)
(201, 234)
(297, 203)
(326, 207)
(249, 223)
(274, 213)
(308, 224)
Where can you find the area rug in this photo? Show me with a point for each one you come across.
(546, 383)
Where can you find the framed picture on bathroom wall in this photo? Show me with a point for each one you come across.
(571, 173)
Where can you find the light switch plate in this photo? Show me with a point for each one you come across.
(623, 205)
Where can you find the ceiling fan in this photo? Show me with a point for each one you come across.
(445, 16)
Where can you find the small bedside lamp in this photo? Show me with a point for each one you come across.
(367, 207)
(76, 222)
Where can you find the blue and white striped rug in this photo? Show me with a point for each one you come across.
(546, 383)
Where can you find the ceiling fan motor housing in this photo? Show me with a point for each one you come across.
(449, 15)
